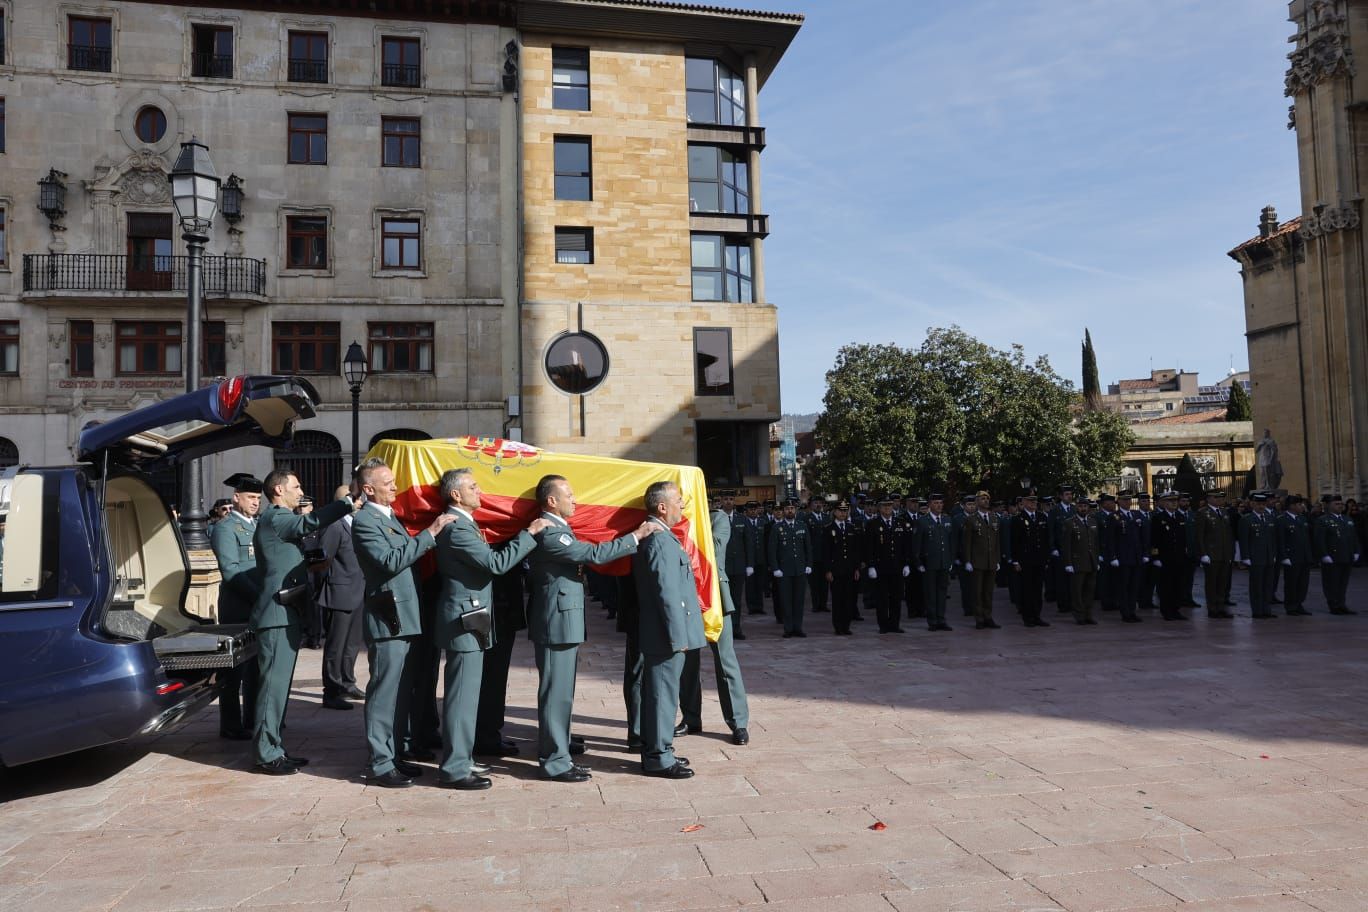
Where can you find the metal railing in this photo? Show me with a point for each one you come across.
(306, 69)
(90, 57)
(211, 66)
(222, 275)
(400, 74)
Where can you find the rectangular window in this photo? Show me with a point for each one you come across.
(713, 362)
(719, 180)
(573, 178)
(148, 348)
(716, 95)
(81, 358)
(570, 79)
(401, 62)
(305, 348)
(400, 244)
(308, 57)
(2, 118)
(4, 257)
(401, 348)
(90, 44)
(306, 244)
(308, 139)
(9, 347)
(574, 245)
(212, 57)
(401, 142)
(721, 269)
(214, 356)
(728, 451)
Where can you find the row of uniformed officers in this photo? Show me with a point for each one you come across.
(1121, 550)
(265, 566)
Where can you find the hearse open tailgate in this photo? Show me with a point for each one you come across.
(206, 647)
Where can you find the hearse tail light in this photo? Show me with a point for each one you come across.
(230, 395)
(170, 687)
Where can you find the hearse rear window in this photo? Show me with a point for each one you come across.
(28, 539)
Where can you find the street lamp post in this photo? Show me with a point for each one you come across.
(354, 370)
(195, 193)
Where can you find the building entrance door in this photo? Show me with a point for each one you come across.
(149, 251)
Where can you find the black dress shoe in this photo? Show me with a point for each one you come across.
(741, 736)
(681, 730)
(944, 627)
(1131, 620)
(479, 769)
(897, 630)
(577, 739)
(992, 625)
(678, 771)
(471, 783)
(788, 635)
(412, 770)
(738, 636)
(390, 780)
(332, 701)
(1275, 601)
(1042, 623)
(277, 767)
(354, 693)
(422, 754)
(296, 761)
(573, 774)
(857, 617)
(235, 734)
(577, 748)
(800, 634)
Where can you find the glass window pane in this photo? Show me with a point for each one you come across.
(572, 188)
(391, 255)
(707, 286)
(702, 163)
(698, 73)
(747, 293)
(572, 155)
(299, 147)
(576, 363)
(702, 107)
(707, 251)
(425, 357)
(703, 196)
(173, 358)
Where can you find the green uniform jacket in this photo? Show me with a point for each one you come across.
(281, 559)
(1336, 538)
(816, 526)
(231, 539)
(670, 617)
(790, 548)
(1215, 537)
(386, 554)
(1294, 539)
(555, 616)
(722, 536)
(1258, 539)
(1081, 543)
(468, 566)
(981, 541)
(753, 545)
(936, 543)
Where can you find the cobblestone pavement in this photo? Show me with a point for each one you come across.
(1200, 766)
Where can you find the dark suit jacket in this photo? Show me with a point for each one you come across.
(345, 583)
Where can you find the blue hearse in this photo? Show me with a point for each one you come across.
(95, 643)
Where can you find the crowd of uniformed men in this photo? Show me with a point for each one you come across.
(280, 558)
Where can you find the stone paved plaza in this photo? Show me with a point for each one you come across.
(1202, 766)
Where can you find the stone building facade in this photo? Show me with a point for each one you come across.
(1306, 294)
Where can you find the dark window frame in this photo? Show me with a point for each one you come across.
(742, 291)
(140, 122)
(405, 239)
(4, 226)
(211, 64)
(565, 235)
(9, 340)
(293, 129)
(587, 175)
(384, 339)
(295, 229)
(565, 98)
(406, 140)
(701, 387)
(319, 337)
(402, 73)
(90, 57)
(2, 122)
(81, 348)
(731, 178)
(213, 348)
(310, 67)
(725, 110)
(159, 341)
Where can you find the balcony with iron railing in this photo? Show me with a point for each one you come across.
(211, 66)
(90, 57)
(308, 69)
(401, 74)
(120, 277)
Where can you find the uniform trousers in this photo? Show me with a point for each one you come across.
(1261, 589)
(789, 604)
(460, 705)
(731, 693)
(1335, 585)
(277, 650)
(843, 594)
(887, 590)
(817, 587)
(737, 584)
(235, 715)
(1217, 586)
(935, 590)
(1029, 591)
(394, 667)
(659, 703)
(489, 717)
(1082, 592)
(1172, 577)
(982, 585)
(556, 667)
(1063, 588)
(1296, 583)
(633, 670)
(1124, 589)
(341, 645)
(755, 590)
(966, 588)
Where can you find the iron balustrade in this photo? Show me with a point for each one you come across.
(222, 275)
(306, 69)
(212, 66)
(89, 57)
(400, 74)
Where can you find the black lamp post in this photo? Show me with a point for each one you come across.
(354, 369)
(195, 193)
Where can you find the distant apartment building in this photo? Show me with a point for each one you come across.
(1168, 393)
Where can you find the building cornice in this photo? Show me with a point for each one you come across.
(495, 12)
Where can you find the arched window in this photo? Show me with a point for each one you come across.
(398, 434)
(9, 453)
(316, 458)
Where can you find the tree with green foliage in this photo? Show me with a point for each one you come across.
(1092, 388)
(958, 415)
(1238, 407)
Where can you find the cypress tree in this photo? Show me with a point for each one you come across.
(1092, 389)
(1238, 407)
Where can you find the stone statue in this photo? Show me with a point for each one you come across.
(1268, 470)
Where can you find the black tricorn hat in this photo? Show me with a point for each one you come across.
(244, 483)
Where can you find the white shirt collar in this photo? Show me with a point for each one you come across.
(243, 516)
(554, 518)
(464, 513)
(387, 512)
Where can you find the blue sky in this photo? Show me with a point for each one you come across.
(1023, 168)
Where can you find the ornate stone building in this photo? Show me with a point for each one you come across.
(454, 186)
(1306, 301)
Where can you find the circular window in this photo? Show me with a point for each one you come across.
(150, 124)
(576, 363)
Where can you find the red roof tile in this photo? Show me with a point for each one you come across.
(1285, 228)
(1190, 418)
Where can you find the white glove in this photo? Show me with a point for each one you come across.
(1069, 569)
(1158, 563)
(1356, 558)
(968, 567)
(778, 573)
(873, 573)
(920, 569)
(1206, 560)
(807, 570)
(1144, 560)
(907, 571)
(1287, 561)
(750, 571)
(1115, 562)
(1054, 553)
(1246, 564)
(1327, 559)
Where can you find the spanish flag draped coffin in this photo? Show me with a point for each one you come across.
(608, 492)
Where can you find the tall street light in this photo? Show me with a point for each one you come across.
(195, 193)
(354, 370)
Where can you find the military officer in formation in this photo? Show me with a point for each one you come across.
(1030, 559)
(817, 519)
(732, 559)
(1259, 550)
(935, 556)
(1168, 555)
(1337, 543)
(1215, 545)
(1080, 542)
(1295, 555)
(981, 553)
(843, 556)
(889, 546)
(754, 528)
(1125, 552)
(790, 560)
(240, 588)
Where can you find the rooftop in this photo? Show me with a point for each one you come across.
(1190, 418)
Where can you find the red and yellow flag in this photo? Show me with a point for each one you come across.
(609, 495)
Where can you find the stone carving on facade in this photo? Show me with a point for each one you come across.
(1325, 220)
(140, 180)
(56, 336)
(103, 337)
(1322, 48)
